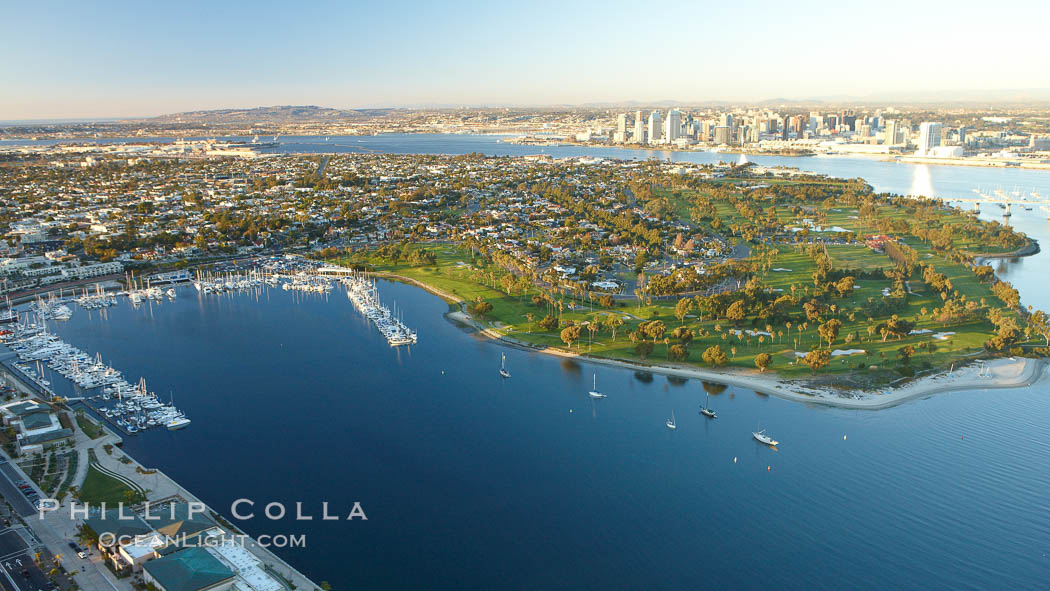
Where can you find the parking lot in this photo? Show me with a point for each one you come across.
(8, 477)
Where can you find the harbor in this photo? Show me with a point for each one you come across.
(365, 298)
(103, 389)
(40, 357)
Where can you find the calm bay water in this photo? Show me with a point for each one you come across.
(473, 482)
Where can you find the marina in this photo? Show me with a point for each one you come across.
(365, 297)
(131, 408)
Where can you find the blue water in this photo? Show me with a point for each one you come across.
(472, 482)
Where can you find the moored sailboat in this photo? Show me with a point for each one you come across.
(706, 409)
(503, 366)
(594, 393)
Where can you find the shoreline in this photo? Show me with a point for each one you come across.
(1001, 373)
(888, 157)
(1032, 248)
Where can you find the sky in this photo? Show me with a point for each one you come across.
(128, 59)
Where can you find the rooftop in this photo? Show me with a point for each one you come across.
(191, 569)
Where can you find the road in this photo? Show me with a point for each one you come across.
(18, 571)
(26, 295)
(50, 536)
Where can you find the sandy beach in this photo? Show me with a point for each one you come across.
(1012, 372)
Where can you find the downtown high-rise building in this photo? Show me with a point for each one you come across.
(891, 132)
(655, 133)
(620, 135)
(706, 129)
(639, 128)
(723, 135)
(673, 126)
(849, 119)
(929, 137)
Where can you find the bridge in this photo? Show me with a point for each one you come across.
(1004, 200)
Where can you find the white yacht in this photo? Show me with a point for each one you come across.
(761, 437)
(671, 423)
(177, 422)
(503, 366)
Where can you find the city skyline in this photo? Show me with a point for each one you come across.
(125, 60)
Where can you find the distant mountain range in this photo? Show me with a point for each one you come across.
(286, 114)
(938, 97)
(272, 115)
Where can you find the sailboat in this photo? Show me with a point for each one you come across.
(706, 409)
(670, 422)
(594, 393)
(761, 437)
(503, 366)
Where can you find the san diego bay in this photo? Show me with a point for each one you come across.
(431, 434)
(341, 391)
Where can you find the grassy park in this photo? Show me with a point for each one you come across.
(102, 488)
(810, 299)
(516, 316)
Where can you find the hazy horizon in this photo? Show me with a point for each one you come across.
(131, 60)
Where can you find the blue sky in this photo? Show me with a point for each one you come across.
(111, 59)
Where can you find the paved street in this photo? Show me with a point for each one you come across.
(54, 532)
(18, 571)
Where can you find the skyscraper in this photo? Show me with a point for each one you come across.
(891, 133)
(621, 125)
(722, 135)
(849, 119)
(673, 125)
(929, 137)
(639, 128)
(654, 127)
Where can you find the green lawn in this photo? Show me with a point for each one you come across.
(454, 272)
(102, 488)
(89, 427)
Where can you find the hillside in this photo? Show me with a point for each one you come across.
(273, 115)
